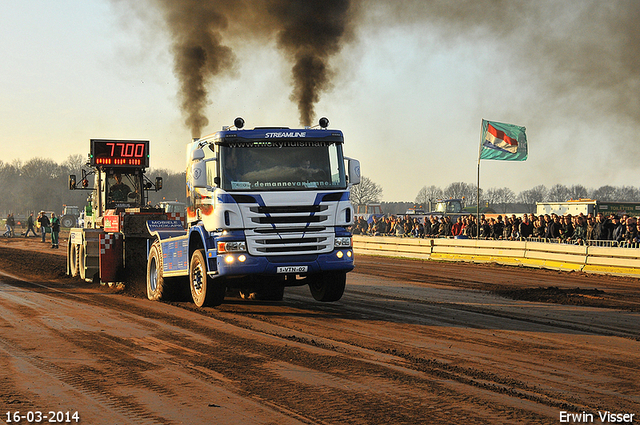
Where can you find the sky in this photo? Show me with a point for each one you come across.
(410, 83)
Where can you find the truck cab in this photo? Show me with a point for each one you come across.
(266, 208)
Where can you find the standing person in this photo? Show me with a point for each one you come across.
(566, 228)
(553, 227)
(55, 230)
(507, 229)
(44, 224)
(435, 226)
(580, 231)
(631, 235)
(608, 227)
(456, 229)
(618, 229)
(12, 224)
(591, 228)
(526, 227)
(426, 225)
(598, 227)
(30, 227)
(7, 225)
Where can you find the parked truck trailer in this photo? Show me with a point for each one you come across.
(588, 206)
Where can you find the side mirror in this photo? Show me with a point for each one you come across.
(72, 182)
(197, 155)
(198, 175)
(158, 183)
(354, 171)
(85, 182)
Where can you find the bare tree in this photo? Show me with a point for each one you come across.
(558, 193)
(173, 188)
(74, 163)
(461, 190)
(426, 194)
(578, 192)
(532, 196)
(604, 193)
(500, 197)
(9, 190)
(366, 192)
(627, 194)
(491, 196)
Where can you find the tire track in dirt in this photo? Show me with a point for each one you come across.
(378, 355)
(248, 361)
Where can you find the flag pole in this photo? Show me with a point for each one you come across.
(478, 203)
(478, 185)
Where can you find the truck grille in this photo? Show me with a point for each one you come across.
(290, 209)
(290, 219)
(272, 230)
(296, 229)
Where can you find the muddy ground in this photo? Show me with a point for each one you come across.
(410, 342)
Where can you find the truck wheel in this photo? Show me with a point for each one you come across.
(81, 262)
(67, 221)
(73, 260)
(327, 286)
(156, 285)
(205, 290)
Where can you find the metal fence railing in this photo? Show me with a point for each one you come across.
(590, 242)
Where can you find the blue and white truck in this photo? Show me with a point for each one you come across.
(267, 208)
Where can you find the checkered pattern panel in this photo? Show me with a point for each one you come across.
(176, 216)
(107, 241)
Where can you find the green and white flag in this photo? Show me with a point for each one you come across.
(503, 142)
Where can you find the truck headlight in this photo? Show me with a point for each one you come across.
(342, 242)
(235, 246)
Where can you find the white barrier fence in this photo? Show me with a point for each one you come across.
(590, 259)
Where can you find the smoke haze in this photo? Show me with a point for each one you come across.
(562, 46)
(588, 50)
(309, 34)
(199, 54)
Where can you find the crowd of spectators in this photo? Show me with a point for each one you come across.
(576, 229)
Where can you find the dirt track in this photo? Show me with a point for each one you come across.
(410, 342)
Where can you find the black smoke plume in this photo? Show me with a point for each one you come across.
(199, 54)
(308, 32)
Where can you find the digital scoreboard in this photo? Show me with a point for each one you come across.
(119, 153)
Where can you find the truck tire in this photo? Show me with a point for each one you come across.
(205, 290)
(68, 221)
(328, 286)
(74, 269)
(156, 285)
(81, 262)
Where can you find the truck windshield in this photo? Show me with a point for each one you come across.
(449, 207)
(123, 190)
(292, 165)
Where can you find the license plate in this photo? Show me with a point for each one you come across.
(293, 269)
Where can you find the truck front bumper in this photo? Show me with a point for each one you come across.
(241, 264)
